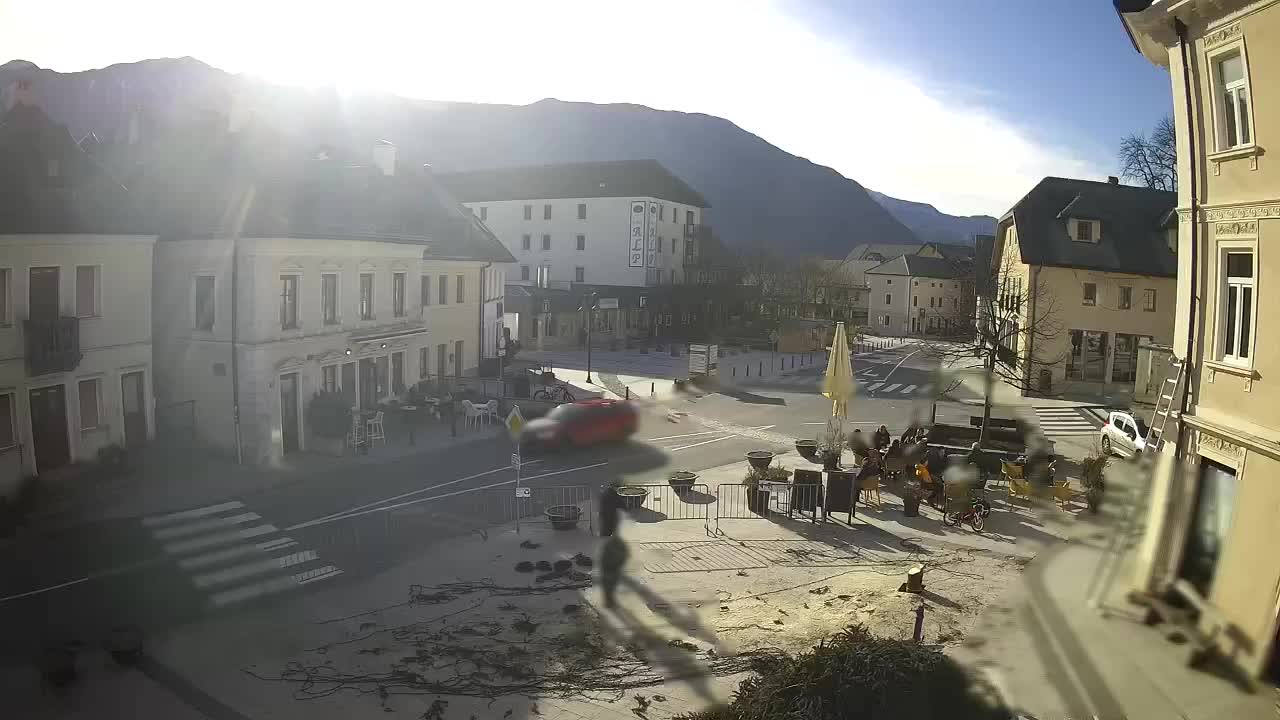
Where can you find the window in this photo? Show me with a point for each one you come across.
(673, 246)
(528, 212)
(1126, 297)
(424, 357)
(661, 242)
(1088, 358)
(932, 301)
(397, 294)
(888, 282)
(288, 302)
(205, 307)
(444, 290)
(688, 217)
(1084, 231)
(1237, 306)
(1090, 294)
(582, 211)
(484, 213)
(546, 242)
(8, 438)
(366, 296)
(662, 212)
(888, 299)
(87, 291)
(90, 403)
(425, 290)
(546, 212)
(524, 272)
(955, 303)
(1149, 300)
(915, 301)
(1232, 101)
(579, 274)
(884, 320)
(6, 282)
(526, 242)
(673, 276)
(1124, 362)
(397, 373)
(582, 242)
(329, 378)
(462, 292)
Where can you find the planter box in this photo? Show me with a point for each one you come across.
(563, 517)
(632, 497)
(682, 480)
(758, 501)
(760, 459)
(808, 449)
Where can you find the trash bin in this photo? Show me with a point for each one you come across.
(521, 385)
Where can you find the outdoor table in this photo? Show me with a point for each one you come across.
(410, 420)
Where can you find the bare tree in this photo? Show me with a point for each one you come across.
(1151, 161)
(1012, 319)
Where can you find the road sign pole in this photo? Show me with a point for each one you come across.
(516, 458)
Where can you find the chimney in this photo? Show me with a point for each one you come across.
(384, 157)
(1113, 180)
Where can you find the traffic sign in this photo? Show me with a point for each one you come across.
(515, 460)
(515, 422)
(524, 492)
(607, 304)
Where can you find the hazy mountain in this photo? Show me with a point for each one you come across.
(759, 193)
(931, 225)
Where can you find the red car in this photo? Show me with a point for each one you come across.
(579, 424)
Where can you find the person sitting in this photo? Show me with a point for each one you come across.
(909, 435)
(894, 451)
(858, 444)
(870, 468)
(881, 438)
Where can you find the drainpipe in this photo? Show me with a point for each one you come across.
(1181, 29)
(235, 362)
(484, 293)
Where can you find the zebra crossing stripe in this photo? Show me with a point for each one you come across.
(892, 387)
(908, 389)
(203, 526)
(192, 514)
(240, 572)
(872, 387)
(185, 546)
(221, 556)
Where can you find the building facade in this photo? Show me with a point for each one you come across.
(918, 295)
(625, 223)
(1086, 271)
(1212, 517)
(75, 306)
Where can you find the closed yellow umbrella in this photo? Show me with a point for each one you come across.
(838, 383)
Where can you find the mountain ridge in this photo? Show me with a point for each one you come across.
(761, 195)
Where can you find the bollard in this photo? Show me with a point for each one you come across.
(748, 370)
(651, 393)
(760, 368)
(735, 371)
(918, 635)
(628, 392)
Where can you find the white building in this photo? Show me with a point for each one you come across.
(627, 223)
(919, 295)
(363, 279)
(75, 305)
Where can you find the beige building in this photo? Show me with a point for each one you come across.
(1086, 271)
(919, 295)
(1213, 521)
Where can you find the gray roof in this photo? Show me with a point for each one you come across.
(1132, 239)
(615, 178)
(882, 251)
(916, 266)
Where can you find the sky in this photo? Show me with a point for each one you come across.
(964, 104)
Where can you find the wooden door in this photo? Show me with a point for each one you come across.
(133, 399)
(49, 427)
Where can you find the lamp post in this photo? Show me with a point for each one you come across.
(590, 306)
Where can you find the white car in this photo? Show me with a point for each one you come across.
(1124, 435)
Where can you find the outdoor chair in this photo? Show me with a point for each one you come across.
(356, 434)
(870, 485)
(1063, 494)
(374, 430)
(893, 467)
(1019, 488)
(954, 494)
(491, 411)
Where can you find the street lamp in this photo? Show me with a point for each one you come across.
(589, 305)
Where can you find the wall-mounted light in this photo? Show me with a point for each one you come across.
(383, 346)
(347, 351)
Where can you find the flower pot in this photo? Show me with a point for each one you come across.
(830, 461)
(808, 449)
(682, 480)
(632, 497)
(758, 501)
(563, 517)
(124, 643)
(911, 505)
(760, 459)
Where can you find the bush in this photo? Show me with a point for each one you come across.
(329, 415)
(857, 675)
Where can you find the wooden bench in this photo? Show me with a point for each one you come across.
(1202, 622)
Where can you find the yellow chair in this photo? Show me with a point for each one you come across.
(1019, 488)
(870, 485)
(1012, 471)
(954, 493)
(1063, 494)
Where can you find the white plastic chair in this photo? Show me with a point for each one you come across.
(491, 412)
(471, 414)
(356, 435)
(373, 429)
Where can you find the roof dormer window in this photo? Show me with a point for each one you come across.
(1086, 231)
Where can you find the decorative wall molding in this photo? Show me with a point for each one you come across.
(290, 363)
(1240, 212)
(1218, 445)
(1243, 227)
(1222, 35)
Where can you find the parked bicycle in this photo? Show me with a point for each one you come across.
(974, 515)
(556, 393)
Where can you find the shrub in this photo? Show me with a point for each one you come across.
(329, 415)
(857, 675)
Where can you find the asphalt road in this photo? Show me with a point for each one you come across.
(340, 526)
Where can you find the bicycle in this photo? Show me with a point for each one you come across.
(973, 515)
(557, 393)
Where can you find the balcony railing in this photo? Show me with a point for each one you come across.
(52, 345)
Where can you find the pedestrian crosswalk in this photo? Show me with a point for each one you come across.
(1067, 421)
(232, 555)
(866, 386)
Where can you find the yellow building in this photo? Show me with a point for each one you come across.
(1217, 487)
(1086, 270)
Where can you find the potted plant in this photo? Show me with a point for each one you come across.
(911, 496)
(329, 418)
(759, 459)
(632, 497)
(757, 492)
(808, 449)
(1092, 469)
(682, 480)
(563, 517)
(830, 446)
